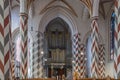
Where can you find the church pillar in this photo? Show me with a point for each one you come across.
(5, 36)
(82, 61)
(41, 59)
(101, 62)
(38, 56)
(117, 40)
(12, 62)
(32, 59)
(76, 52)
(24, 37)
(118, 56)
(94, 36)
(94, 49)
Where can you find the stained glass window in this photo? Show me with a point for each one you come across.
(112, 29)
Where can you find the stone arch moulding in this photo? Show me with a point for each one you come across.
(15, 34)
(58, 12)
(88, 4)
(88, 34)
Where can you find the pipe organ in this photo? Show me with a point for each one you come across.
(58, 50)
(57, 55)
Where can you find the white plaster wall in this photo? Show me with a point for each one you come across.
(15, 18)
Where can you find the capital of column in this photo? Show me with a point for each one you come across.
(94, 18)
(24, 14)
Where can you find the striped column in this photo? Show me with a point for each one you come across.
(31, 45)
(94, 49)
(4, 39)
(116, 39)
(118, 54)
(32, 58)
(101, 66)
(11, 49)
(76, 52)
(24, 37)
(82, 61)
(37, 66)
(12, 62)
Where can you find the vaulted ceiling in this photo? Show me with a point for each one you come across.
(103, 9)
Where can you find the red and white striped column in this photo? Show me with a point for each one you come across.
(82, 61)
(24, 37)
(76, 52)
(94, 37)
(94, 49)
(116, 39)
(4, 39)
(101, 62)
(118, 56)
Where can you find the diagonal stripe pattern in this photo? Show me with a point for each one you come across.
(94, 49)
(118, 54)
(24, 38)
(12, 62)
(32, 58)
(82, 61)
(116, 39)
(11, 76)
(101, 65)
(76, 52)
(31, 45)
(37, 69)
(4, 39)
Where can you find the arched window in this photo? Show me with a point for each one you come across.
(112, 29)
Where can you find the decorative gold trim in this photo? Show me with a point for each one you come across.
(88, 4)
(47, 7)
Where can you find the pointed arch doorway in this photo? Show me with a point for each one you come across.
(58, 49)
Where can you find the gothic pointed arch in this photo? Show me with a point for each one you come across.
(63, 14)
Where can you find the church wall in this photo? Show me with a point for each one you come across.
(15, 17)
